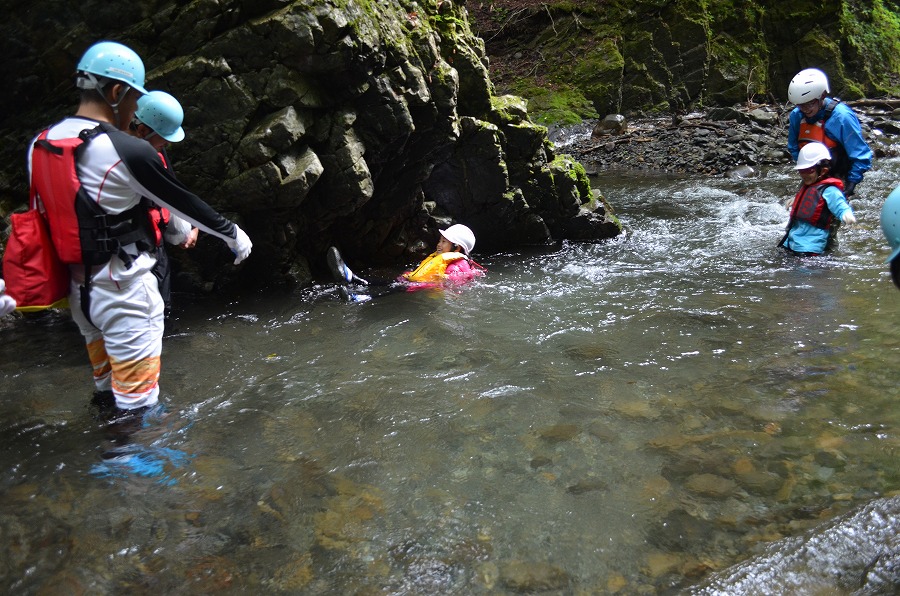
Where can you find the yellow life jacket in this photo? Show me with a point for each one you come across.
(432, 268)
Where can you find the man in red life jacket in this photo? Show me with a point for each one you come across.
(158, 121)
(114, 295)
(822, 119)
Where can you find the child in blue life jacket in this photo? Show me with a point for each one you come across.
(818, 204)
(448, 264)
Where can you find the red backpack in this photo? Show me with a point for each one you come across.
(36, 278)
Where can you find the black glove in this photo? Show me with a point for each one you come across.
(849, 188)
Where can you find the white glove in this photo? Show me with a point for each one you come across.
(240, 245)
(848, 218)
(7, 305)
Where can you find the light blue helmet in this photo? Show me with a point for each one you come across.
(161, 112)
(890, 222)
(114, 61)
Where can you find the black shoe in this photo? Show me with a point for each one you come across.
(342, 274)
(339, 269)
(103, 405)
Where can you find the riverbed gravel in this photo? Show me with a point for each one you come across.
(731, 141)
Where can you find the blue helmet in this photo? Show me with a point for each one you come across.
(890, 222)
(161, 112)
(114, 61)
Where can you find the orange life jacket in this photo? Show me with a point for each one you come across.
(815, 132)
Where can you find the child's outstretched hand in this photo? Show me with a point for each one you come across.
(848, 218)
(7, 304)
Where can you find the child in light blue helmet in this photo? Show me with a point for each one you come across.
(158, 121)
(890, 225)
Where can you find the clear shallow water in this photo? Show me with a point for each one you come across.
(625, 416)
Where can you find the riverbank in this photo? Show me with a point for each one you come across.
(733, 141)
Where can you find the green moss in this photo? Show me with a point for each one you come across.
(874, 36)
(564, 105)
(567, 166)
(510, 109)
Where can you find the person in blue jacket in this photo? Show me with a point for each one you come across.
(818, 118)
(890, 225)
(817, 204)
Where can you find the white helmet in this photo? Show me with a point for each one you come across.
(807, 85)
(461, 235)
(811, 154)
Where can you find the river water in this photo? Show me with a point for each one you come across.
(624, 417)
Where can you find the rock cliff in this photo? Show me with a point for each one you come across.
(585, 59)
(367, 124)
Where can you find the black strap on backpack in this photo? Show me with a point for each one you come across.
(103, 234)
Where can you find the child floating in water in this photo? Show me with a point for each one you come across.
(817, 204)
(449, 263)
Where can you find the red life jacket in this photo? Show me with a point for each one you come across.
(159, 216)
(82, 231)
(810, 205)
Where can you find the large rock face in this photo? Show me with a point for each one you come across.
(360, 123)
(585, 58)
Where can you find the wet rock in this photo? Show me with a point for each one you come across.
(679, 528)
(347, 516)
(830, 459)
(710, 485)
(560, 433)
(760, 482)
(728, 113)
(603, 431)
(658, 564)
(637, 409)
(540, 462)
(857, 553)
(888, 127)
(742, 171)
(586, 485)
(532, 576)
(765, 117)
(611, 124)
(655, 488)
(295, 575)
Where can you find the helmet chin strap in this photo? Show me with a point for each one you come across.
(95, 83)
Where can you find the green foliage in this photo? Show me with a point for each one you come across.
(875, 35)
(565, 105)
(572, 169)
